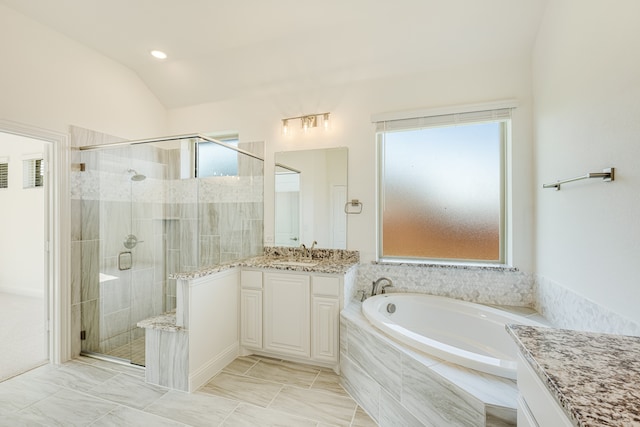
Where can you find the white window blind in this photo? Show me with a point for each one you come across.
(4, 174)
(32, 173)
(443, 120)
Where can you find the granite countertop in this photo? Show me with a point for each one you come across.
(328, 261)
(163, 322)
(594, 377)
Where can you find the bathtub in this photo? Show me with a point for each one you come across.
(468, 334)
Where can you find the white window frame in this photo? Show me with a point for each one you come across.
(430, 118)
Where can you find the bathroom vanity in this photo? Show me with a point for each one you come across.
(292, 315)
(574, 378)
(278, 305)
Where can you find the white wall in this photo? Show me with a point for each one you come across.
(587, 117)
(48, 80)
(21, 223)
(351, 107)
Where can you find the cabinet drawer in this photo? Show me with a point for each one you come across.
(251, 279)
(329, 286)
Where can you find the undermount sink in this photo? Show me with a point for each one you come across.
(297, 263)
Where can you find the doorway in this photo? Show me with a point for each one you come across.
(24, 267)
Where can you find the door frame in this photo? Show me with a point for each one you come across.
(57, 236)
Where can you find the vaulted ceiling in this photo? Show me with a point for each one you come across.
(223, 49)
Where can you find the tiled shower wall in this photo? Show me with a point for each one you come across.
(181, 224)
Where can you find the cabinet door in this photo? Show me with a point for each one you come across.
(286, 314)
(251, 318)
(325, 329)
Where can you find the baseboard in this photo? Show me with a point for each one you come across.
(207, 371)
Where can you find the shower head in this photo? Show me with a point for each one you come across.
(136, 176)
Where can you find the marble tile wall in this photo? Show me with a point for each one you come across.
(565, 309)
(485, 285)
(181, 224)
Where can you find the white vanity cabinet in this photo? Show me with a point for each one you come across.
(292, 315)
(325, 318)
(287, 318)
(536, 405)
(251, 309)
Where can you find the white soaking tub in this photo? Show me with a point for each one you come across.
(468, 334)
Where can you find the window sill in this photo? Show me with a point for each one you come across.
(447, 264)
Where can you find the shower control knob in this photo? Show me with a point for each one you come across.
(131, 241)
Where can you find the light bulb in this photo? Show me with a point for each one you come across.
(325, 121)
(158, 54)
(285, 127)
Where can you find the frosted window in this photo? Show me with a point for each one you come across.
(442, 192)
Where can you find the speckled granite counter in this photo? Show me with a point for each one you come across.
(328, 261)
(164, 322)
(594, 377)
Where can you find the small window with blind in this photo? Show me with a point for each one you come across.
(442, 187)
(32, 173)
(4, 173)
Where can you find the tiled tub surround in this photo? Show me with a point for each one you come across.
(594, 377)
(398, 386)
(565, 309)
(484, 285)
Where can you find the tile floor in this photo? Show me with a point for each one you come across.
(22, 336)
(251, 391)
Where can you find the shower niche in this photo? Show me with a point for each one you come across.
(149, 209)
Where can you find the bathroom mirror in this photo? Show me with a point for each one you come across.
(310, 195)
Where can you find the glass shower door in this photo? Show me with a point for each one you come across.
(122, 272)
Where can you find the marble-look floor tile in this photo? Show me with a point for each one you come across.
(362, 419)
(123, 416)
(322, 406)
(18, 393)
(329, 381)
(66, 408)
(253, 416)
(284, 372)
(241, 365)
(74, 375)
(195, 409)
(120, 367)
(128, 390)
(237, 387)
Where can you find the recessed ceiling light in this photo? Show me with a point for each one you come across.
(158, 54)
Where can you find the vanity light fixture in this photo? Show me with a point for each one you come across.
(306, 122)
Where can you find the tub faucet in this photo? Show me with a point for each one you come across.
(374, 287)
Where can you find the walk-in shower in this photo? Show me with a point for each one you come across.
(144, 216)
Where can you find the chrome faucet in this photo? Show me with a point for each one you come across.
(374, 287)
(304, 250)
